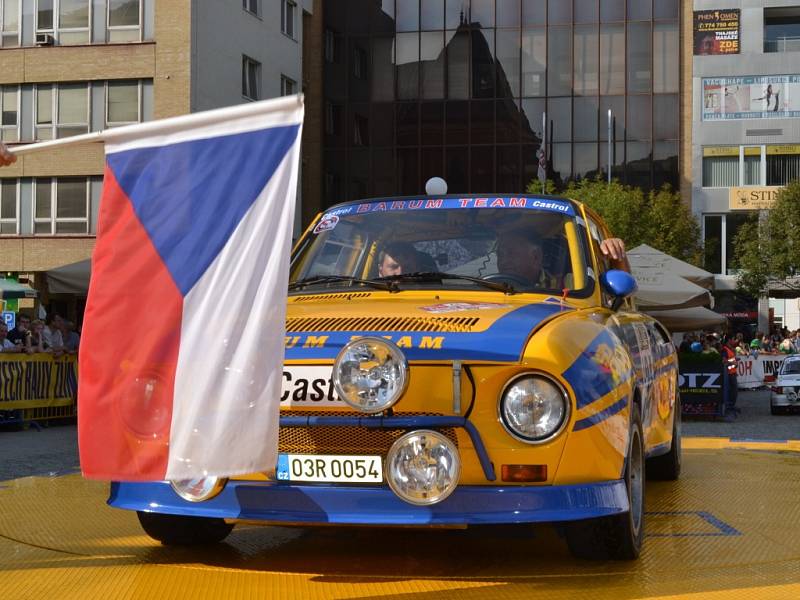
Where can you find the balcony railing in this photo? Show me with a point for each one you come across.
(782, 44)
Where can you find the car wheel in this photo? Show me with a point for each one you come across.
(618, 537)
(667, 467)
(179, 530)
(775, 410)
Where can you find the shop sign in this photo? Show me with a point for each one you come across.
(716, 31)
(753, 198)
(751, 97)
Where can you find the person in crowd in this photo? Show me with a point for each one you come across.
(21, 331)
(5, 344)
(6, 157)
(742, 349)
(686, 343)
(787, 345)
(52, 333)
(36, 343)
(71, 338)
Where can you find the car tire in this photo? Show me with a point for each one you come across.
(667, 467)
(775, 410)
(179, 530)
(618, 537)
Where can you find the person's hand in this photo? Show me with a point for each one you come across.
(6, 157)
(613, 247)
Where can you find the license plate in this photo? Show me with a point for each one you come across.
(330, 468)
(308, 385)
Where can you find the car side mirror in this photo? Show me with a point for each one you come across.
(619, 284)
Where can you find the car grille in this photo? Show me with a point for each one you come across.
(444, 324)
(350, 439)
(324, 297)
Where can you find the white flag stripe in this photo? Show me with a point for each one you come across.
(215, 123)
(229, 372)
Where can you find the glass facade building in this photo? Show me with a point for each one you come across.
(458, 88)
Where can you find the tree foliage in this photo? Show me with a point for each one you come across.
(767, 250)
(659, 218)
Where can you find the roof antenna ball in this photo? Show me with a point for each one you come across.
(436, 186)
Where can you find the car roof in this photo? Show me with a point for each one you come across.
(576, 203)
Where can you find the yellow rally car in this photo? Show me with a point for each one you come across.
(455, 361)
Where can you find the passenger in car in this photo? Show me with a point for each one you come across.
(397, 258)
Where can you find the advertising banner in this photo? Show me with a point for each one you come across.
(700, 381)
(753, 198)
(761, 97)
(716, 31)
(753, 369)
(37, 380)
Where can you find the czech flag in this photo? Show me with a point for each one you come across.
(182, 350)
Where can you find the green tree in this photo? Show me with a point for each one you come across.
(659, 218)
(767, 250)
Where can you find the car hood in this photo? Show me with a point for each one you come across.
(428, 328)
(789, 380)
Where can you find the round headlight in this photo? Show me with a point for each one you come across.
(533, 408)
(370, 374)
(198, 489)
(423, 467)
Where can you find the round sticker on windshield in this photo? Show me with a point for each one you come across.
(326, 224)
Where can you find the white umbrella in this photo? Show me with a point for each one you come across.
(688, 319)
(646, 258)
(667, 291)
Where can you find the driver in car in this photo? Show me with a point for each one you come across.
(397, 258)
(520, 256)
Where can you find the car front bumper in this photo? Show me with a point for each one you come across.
(280, 502)
(792, 400)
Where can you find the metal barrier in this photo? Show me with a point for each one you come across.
(37, 387)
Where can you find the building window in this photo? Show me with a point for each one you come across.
(9, 23)
(62, 110)
(288, 10)
(123, 103)
(68, 20)
(251, 76)
(359, 62)
(782, 29)
(721, 171)
(719, 240)
(252, 6)
(288, 86)
(61, 205)
(9, 206)
(9, 108)
(124, 20)
(783, 164)
(330, 46)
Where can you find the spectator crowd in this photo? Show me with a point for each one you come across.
(56, 336)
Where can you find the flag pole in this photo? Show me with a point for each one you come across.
(544, 148)
(84, 138)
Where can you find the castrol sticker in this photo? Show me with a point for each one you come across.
(327, 223)
(305, 386)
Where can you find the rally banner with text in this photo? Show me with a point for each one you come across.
(753, 370)
(37, 381)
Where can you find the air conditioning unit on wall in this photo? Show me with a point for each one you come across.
(45, 39)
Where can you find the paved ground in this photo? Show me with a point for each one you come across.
(54, 450)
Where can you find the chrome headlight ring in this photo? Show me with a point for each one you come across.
(370, 374)
(549, 410)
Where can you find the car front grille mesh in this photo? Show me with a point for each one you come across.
(350, 439)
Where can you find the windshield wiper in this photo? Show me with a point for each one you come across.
(425, 276)
(389, 286)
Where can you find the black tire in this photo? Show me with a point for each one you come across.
(667, 467)
(618, 537)
(178, 530)
(775, 410)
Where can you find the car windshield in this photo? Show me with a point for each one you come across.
(791, 367)
(507, 244)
